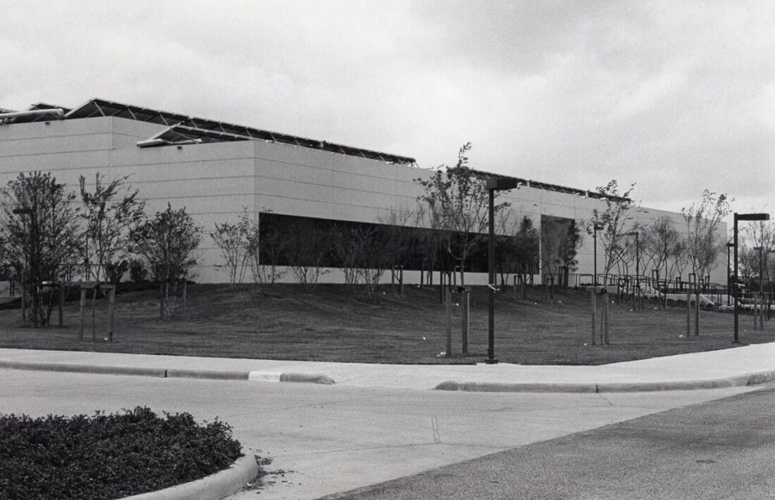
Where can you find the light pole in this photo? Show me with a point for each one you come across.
(597, 227)
(730, 245)
(743, 217)
(493, 184)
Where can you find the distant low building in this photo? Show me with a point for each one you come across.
(216, 170)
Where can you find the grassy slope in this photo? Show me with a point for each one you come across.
(334, 324)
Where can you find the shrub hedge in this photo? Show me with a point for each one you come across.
(108, 456)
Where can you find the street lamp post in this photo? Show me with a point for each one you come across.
(493, 184)
(743, 217)
(730, 245)
(597, 227)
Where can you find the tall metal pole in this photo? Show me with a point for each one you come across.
(736, 291)
(491, 282)
(594, 237)
(729, 264)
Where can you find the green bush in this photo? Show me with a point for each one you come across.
(108, 456)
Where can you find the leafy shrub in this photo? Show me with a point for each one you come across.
(108, 456)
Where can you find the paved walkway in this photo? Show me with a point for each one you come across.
(724, 368)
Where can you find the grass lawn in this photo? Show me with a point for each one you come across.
(335, 324)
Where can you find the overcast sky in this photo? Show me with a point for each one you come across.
(676, 96)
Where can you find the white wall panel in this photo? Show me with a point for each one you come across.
(205, 171)
(297, 155)
(293, 206)
(80, 143)
(292, 172)
(293, 190)
(364, 183)
(55, 161)
(361, 166)
(55, 128)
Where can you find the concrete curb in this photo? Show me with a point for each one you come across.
(688, 385)
(207, 374)
(507, 387)
(451, 385)
(214, 487)
(310, 378)
(65, 367)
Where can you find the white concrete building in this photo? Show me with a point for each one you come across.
(215, 170)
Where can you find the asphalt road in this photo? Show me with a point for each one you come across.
(331, 439)
(722, 449)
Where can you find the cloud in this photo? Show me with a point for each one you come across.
(676, 96)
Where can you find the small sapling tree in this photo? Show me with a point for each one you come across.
(109, 214)
(168, 242)
(616, 221)
(663, 244)
(704, 241)
(40, 229)
(265, 246)
(232, 240)
(459, 197)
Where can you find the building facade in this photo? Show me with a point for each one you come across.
(217, 171)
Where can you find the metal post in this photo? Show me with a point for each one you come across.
(729, 289)
(688, 314)
(736, 294)
(491, 280)
(61, 304)
(594, 256)
(514, 290)
(111, 311)
(594, 312)
(83, 312)
(637, 267)
(161, 300)
(93, 313)
(448, 302)
(605, 317)
(696, 313)
(465, 303)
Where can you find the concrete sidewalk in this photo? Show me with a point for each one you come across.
(737, 366)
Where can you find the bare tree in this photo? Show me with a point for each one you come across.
(307, 253)
(108, 219)
(346, 246)
(40, 229)
(615, 220)
(265, 246)
(704, 241)
(663, 242)
(232, 240)
(758, 242)
(168, 242)
(460, 197)
(429, 217)
(396, 222)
